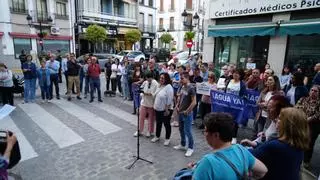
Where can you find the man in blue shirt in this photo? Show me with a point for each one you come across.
(53, 66)
(217, 164)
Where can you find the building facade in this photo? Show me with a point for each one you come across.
(147, 23)
(170, 20)
(17, 34)
(278, 32)
(116, 16)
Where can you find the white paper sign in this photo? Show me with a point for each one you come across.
(204, 88)
(6, 110)
(251, 65)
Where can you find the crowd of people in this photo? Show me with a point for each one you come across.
(286, 125)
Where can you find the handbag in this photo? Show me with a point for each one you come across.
(184, 174)
(243, 176)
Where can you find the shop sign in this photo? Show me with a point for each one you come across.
(231, 8)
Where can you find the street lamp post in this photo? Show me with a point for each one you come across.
(188, 23)
(41, 33)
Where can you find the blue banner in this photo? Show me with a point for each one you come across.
(252, 98)
(230, 103)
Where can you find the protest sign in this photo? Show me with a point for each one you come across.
(251, 65)
(204, 88)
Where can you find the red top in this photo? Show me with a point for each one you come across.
(94, 70)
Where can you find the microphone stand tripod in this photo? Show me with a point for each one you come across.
(137, 157)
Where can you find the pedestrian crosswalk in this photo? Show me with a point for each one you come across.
(27, 151)
(57, 129)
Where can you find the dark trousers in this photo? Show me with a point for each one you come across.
(7, 95)
(314, 133)
(259, 124)
(195, 109)
(54, 79)
(130, 90)
(86, 85)
(235, 129)
(45, 91)
(95, 84)
(162, 119)
(204, 109)
(114, 84)
(119, 83)
(108, 83)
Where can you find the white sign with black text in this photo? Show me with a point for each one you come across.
(204, 88)
(231, 8)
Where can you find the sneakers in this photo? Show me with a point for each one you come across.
(100, 100)
(148, 134)
(175, 124)
(189, 152)
(78, 97)
(69, 98)
(42, 101)
(166, 142)
(155, 139)
(179, 147)
(135, 134)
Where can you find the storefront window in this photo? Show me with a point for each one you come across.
(54, 45)
(304, 52)
(241, 50)
(21, 44)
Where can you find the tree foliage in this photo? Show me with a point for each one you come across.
(133, 36)
(189, 35)
(96, 33)
(166, 38)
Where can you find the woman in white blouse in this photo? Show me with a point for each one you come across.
(116, 76)
(163, 106)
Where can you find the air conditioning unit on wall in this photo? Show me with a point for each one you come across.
(55, 30)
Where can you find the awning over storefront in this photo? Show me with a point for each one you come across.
(296, 27)
(256, 29)
(35, 36)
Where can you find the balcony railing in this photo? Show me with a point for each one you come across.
(40, 16)
(147, 28)
(18, 10)
(108, 17)
(61, 16)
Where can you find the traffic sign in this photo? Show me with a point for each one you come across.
(189, 44)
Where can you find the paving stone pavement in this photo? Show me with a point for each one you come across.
(106, 156)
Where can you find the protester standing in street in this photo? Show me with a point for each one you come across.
(163, 106)
(283, 156)
(6, 85)
(148, 88)
(43, 74)
(186, 102)
(205, 105)
(53, 66)
(73, 76)
(108, 72)
(272, 88)
(30, 76)
(216, 164)
(22, 57)
(94, 76)
(311, 106)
